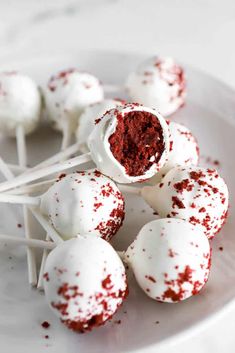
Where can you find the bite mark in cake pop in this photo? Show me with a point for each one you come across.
(138, 142)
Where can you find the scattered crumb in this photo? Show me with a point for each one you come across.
(19, 225)
(45, 324)
(157, 322)
(118, 322)
(213, 162)
(221, 248)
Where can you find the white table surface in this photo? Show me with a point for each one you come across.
(198, 32)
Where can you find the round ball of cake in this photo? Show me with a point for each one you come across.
(170, 259)
(197, 195)
(85, 282)
(20, 103)
(82, 203)
(130, 143)
(68, 93)
(183, 151)
(158, 83)
(90, 117)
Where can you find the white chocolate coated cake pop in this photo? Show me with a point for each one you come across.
(183, 151)
(20, 103)
(82, 203)
(197, 195)
(158, 83)
(89, 117)
(170, 259)
(85, 282)
(130, 143)
(68, 93)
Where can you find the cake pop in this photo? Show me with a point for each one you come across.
(184, 149)
(170, 259)
(20, 108)
(78, 203)
(128, 144)
(158, 83)
(85, 282)
(195, 194)
(66, 95)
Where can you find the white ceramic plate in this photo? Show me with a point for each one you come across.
(209, 112)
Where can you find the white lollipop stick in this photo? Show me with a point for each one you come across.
(22, 158)
(21, 146)
(58, 157)
(16, 169)
(31, 255)
(44, 185)
(33, 243)
(20, 199)
(5, 170)
(41, 271)
(37, 174)
(38, 243)
(67, 134)
(53, 234)
(32, 201)
(28, 189)
(31, 260)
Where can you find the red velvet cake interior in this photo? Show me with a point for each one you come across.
(138, 142)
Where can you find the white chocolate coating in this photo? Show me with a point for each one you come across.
(195, 194)
(88, 118)
(85, 282)
(183, 151)
(170, 259)
(20, 103)
(68, 93)
(82, 203)
(102, 155)
(158, 83)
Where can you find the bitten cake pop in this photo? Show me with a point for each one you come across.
(83, 203)
(89, 117)
(79, 203)
(184, 149)
(66, 95)
(85, 282)
(158, 83)
(129, 144)
(170, 259)
(197, 195)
